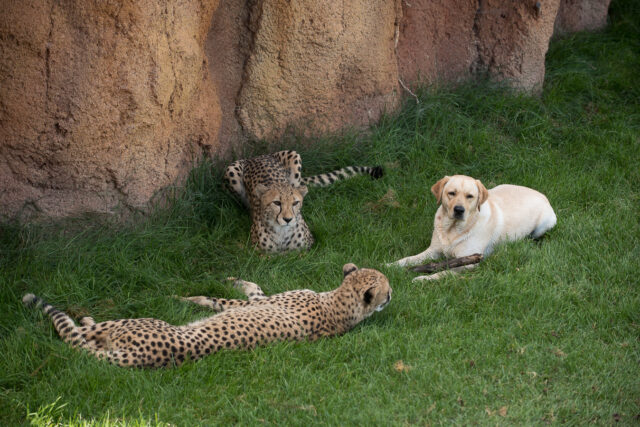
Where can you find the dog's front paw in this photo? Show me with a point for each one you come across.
(428, 278)
(397, 264)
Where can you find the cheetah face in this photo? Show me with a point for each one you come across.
(281, 204)
(371, 286)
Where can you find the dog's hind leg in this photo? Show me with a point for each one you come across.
(546, 223)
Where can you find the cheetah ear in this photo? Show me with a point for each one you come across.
(303, 190)
(483, 194)
(260, 189)
(438, 187)
(348, 268)
(368, 296)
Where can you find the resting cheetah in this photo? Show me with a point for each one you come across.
(272, 187)
(293, 316)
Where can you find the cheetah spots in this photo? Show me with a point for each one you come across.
(293, 315)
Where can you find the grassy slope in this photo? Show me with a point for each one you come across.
(543, 331)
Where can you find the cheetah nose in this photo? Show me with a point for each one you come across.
(287, 220)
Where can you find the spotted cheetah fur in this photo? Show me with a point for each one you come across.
(292, 316)
(273, 189)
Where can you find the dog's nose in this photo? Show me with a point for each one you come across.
(287, 220)
(458, 210)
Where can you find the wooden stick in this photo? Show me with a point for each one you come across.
(432, 267)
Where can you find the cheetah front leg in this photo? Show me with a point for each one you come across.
(216, 304)
(234, 177)
(250, 289)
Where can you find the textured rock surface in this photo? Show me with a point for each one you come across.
(101, 102)
(450, 40)
(581, 15)
(227, 48)
(513, 38)
(318, 66)
(105, 102)
(437, 41)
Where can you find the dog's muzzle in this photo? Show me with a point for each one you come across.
(458, 212)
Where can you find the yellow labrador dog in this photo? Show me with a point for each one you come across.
(472, 219)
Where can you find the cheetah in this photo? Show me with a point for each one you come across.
(289, 316)
(272, 188)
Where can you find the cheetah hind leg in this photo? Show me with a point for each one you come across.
(250, 289)
(211, 303)
(87, 321)
(234, 178)
(216, 304)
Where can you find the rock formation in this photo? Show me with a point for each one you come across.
(102, 103)
(105, 102)
(581, 15)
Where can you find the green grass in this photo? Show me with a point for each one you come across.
(541, 332)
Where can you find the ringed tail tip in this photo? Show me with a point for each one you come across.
(29, 299)
(377, 172)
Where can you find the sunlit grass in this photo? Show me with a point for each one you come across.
(541, 332)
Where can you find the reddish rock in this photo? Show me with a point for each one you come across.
(513, 38)
(318, 66)
(581, 15)
(437, 41)
(227, 49)
(448, 41)
(102, 103)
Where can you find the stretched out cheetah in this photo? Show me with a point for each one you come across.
(272, 187)
(293, 315)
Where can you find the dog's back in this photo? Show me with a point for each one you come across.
(525, 211)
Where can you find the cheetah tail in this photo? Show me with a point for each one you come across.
(326, 179)
(65, 326)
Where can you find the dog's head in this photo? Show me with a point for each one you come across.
(460, 195)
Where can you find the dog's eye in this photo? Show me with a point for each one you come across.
(469, 196)
(276, 202)
(452, 193)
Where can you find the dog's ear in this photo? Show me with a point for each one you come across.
(437, 188)
(483, 194)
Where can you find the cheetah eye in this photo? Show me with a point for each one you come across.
(296, 203)
(452, 193)
(277, 202)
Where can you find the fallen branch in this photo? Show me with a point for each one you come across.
(432, 267)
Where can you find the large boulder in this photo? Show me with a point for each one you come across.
(513, 38)
(437, 42)
(451, 40)
(318, 66)
(102, 103)
(581, 15)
